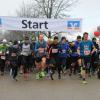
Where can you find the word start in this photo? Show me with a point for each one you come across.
(34, 25)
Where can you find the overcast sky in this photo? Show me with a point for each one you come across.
(88, 10)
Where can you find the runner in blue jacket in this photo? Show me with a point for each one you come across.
(63, 54)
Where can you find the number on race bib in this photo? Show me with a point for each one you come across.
(41, 51)
(63, 51)
(54, 50)
(3, 57)
(87, 52)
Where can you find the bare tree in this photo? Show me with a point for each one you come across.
(54, 8)
(46, 9)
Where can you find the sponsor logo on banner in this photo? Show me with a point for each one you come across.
(73, 25)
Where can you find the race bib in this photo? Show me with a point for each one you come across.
(3, 57)
(41, 51)
(63, 51)
(24, 54)
(87, 52)
(54, 50)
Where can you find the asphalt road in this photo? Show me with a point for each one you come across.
(68, 88)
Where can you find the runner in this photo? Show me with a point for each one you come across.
(48, 68)
(3, 48)
(85, 51)
(26, 49)
(74, 68)
(40, 59)
(14, 53)
(94, 58)
(54, 59)
(63, 54)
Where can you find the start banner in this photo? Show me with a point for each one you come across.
(35, 24)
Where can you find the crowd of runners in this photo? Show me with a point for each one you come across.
(46, 58)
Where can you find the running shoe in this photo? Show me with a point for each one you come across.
(84, 82)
